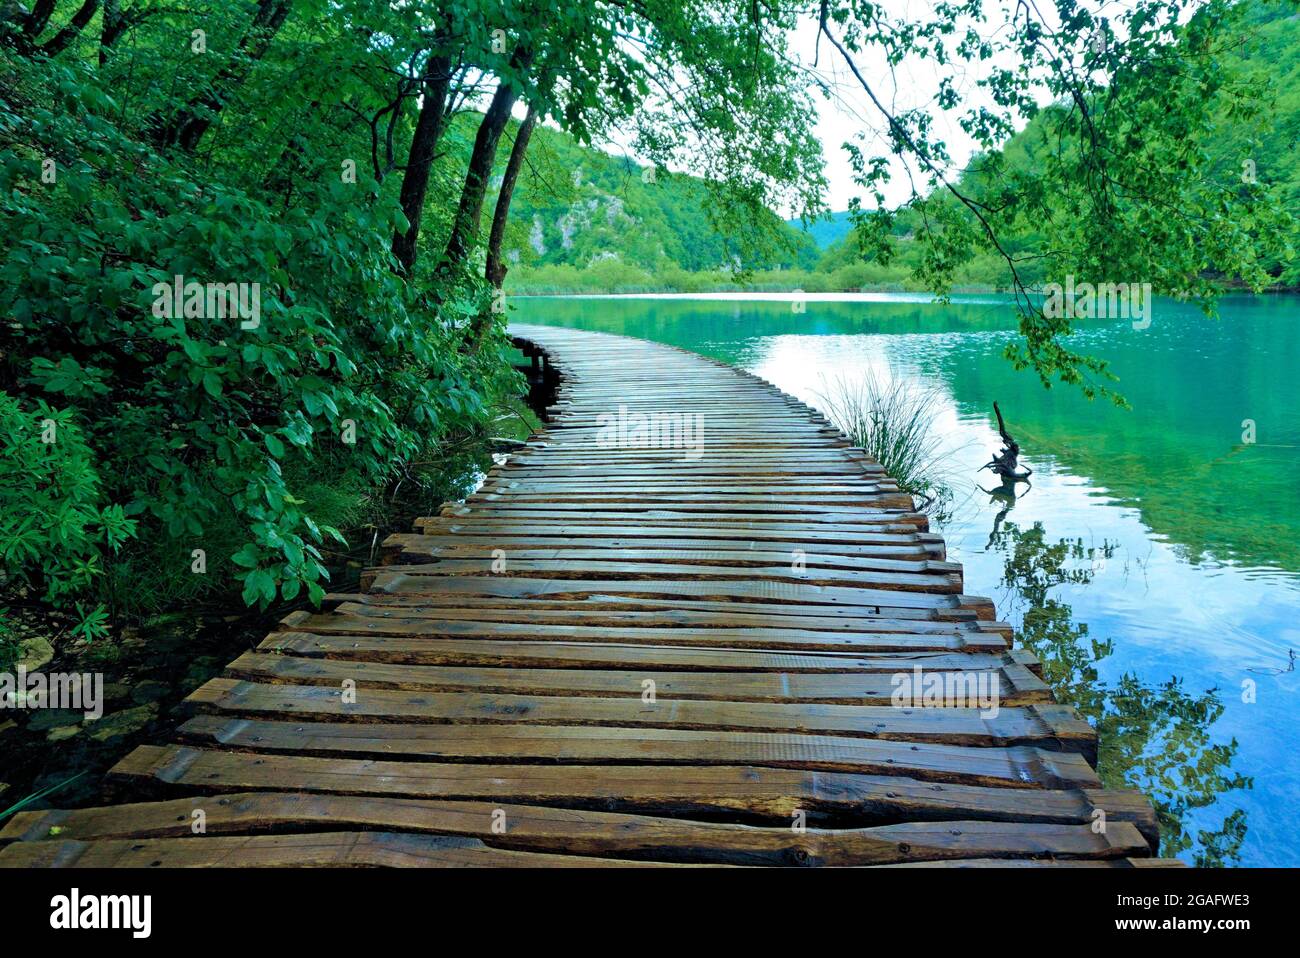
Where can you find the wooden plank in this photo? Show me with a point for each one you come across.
(736, 530)
(1016, 685)
(914, 559)
(755, 793)
(311, 850)
(1020, 767)
(633, 612)
(709, 511)
(428, 650)
(583, 832)
(744, 638)
(934, 578)
(838, 526)
(1045, 726)
(406, 583)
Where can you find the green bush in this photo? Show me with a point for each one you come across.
(55, 529)
(206, 429)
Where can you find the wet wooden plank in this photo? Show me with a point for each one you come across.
(748, 638)
(1019, 767)
(333, 849)
(771, 793)
(539, 828)
(653, 613)
(690, 552)
(404, 582)
(1044, 726)
(432, 650)
(932, 577)
(1016, 685)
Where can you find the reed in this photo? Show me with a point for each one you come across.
(893, 421)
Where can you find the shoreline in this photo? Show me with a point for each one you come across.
(892, 289)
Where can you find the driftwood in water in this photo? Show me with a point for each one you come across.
(1007, 462)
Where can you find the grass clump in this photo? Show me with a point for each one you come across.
(893, 421)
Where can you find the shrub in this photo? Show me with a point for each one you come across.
(55, 529)
(205, 428)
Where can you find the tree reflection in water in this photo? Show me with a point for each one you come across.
(1154, 738)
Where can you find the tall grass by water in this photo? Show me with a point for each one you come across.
(893, 421)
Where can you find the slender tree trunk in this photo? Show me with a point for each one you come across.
(465, 227)
(496, 267)
(59, 42)
(38, 19)
(114, 25)
(424, 144)
(191, 122)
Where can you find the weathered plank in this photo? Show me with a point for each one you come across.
(1016, 684)
(1020, 767)
(539, 828)
(332, 849)
(433, 650)
(1045, 726)
(751, 638)
(753, 792)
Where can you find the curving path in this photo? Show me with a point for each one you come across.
(669, 629)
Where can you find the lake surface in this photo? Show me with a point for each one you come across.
(1154, 563)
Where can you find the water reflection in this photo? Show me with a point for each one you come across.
(1153, 738)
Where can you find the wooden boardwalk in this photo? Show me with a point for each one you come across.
(617, 653)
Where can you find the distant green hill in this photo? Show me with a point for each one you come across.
(826, 230)
(580, 207)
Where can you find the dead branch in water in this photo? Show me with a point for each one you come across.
(1007, 462)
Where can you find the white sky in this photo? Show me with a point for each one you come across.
(911, 84)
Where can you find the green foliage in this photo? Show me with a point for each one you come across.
(11, 646)
(201, 427)
(56, 531)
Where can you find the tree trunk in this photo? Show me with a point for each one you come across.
(189, 125)
(465, 227)
(114, 25)
(415, 181)
(59, 42)
(38, 19)
(21, 28)
(496, 267)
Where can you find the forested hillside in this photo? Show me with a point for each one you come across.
(678, 252)
(577, 206)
